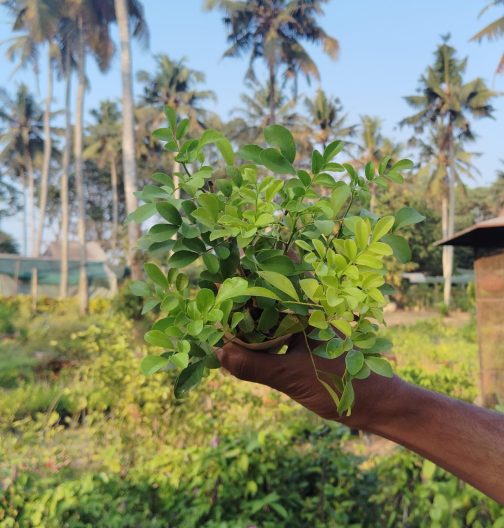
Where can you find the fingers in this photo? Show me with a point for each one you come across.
(246, 365)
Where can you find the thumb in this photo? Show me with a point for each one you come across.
(248, 365)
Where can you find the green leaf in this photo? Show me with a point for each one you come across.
(289, 325)
(180, 360)
(149, 305)
(407, 216)
(383, 165)
(404, 164)
(325, 227)
(205, 299)
(162, 232)
(169, 212)
(140, 289)
(382, 227)
(180, 259)
(280, 282)
(354, 361)
(343, 326)
(163, 179)
(236, 318)
(276, 162)
(251, 153)
(369, 170)
(211, 262)
(158, 338)
(333, 298)
(361, 233)
(182, 128)
(194, 328)
(220, 141)
(347, 398)
(309, 286)
(211, 204)
(279, 136)
(339, 196)
(257, 291)
(189, 378)
(280, 264)
(171, 116)
(317, 319)
(399, 246)
(144, 212)
(332, 150)
(151, 364)
(164, 134)
(380, 366)
(169, 302)
(231, 288)
(155, 274)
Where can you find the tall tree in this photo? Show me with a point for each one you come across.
(274, 31)
(37, 21)
(326, 119)
(103, 140)
(20, 144)
(175, 84)
(445, 106)
(374, 146)
(126, 11)
(492, 31)
(252, 116)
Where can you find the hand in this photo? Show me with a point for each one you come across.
(294, 375)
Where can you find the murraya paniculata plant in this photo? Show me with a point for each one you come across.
(276, 252)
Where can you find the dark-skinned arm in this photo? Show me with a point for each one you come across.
(464, 439)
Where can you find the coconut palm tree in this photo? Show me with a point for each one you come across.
(445, 105)
(38, 22)
(326, 119)
(492, 31)
(373, 146)
(252, 116)
(125, 12)
(274, 31)
(175, 84)
(103, 140)
(21, 144)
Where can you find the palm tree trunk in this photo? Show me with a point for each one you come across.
(25, 215)
(448, 221)
(272, 83)
(64, 183)
(81, 213)
(44, 177)
(30, 207)
(128, 137)
(115, 203)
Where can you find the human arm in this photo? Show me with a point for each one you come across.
(466, 440)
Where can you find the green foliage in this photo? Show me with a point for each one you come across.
(98, 445)
(270, 248)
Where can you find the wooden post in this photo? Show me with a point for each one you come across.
(34, 288)
(16, 276)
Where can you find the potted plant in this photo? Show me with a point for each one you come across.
(276, 251)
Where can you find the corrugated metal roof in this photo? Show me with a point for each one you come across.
(489, 233)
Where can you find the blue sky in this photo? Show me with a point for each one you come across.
(385, 46)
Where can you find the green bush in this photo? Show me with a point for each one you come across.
(98, 444)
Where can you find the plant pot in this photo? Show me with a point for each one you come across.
(270, 344)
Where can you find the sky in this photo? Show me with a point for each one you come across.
(384, 48)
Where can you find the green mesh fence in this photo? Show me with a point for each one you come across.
(48, 270)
